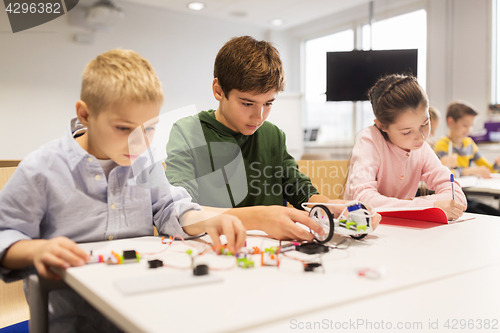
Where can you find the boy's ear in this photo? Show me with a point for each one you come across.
(450, 121)
(379, 125)
(82, 112)
(217, 90)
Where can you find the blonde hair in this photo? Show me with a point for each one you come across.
(119, 76)
(434, 114)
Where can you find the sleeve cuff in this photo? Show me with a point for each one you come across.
(7, 239)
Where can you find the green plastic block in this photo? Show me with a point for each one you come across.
(348, 224)
(361, 227)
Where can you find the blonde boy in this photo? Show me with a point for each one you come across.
(460, 147)
(81, 188)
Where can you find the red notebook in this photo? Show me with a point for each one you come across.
(422, 218)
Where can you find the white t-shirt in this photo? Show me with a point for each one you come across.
(107, 166)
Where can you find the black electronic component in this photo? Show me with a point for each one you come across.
(130, 256)
(310, 267)
(155, 263)
(200, 270)
(312, 248)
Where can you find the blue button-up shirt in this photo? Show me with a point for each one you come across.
(61, 190)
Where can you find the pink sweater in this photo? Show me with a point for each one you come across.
(381, 174)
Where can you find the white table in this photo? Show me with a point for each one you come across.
(428, 274)
(486, 191)
(475, 185)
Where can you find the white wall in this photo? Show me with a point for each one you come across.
(40, 69)
(458, 63)
(459, 39)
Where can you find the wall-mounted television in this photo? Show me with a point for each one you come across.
(349, 75)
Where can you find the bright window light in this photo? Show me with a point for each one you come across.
(196, 5)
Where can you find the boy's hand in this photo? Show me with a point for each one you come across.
(336, 210)
(231, 226)
(449, 161)
(58, 252)
(480, 171)
(452, 208)
(215, 223)
(279, 222)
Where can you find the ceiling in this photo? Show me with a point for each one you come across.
(259, 12)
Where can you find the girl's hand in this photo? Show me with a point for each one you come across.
(58, 252)
(452, 208)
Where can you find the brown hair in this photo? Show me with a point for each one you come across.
(394, 94)
(458, 109)
(247, 65)
(119, 76)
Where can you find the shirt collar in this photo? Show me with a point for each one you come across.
(74, 152)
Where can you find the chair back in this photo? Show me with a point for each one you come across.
(13, 306)
(329, 177)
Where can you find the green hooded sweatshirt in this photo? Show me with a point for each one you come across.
(222, 168)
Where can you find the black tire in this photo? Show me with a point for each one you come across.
(330, 218)
(358, 237)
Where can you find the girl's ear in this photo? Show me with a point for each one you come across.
(380, 126)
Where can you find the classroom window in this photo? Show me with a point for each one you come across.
(339, 122)
(333, 118)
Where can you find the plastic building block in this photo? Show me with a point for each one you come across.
(155, 263)
(200, 270)
(245, 262)
(311, 267)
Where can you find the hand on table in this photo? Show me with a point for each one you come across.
(279, 222)
(480, 171)
(452, 208)
(60, 252)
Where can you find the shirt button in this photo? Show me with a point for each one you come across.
(97, 177)
(90, 159)
(402, 177)
(113, 206)
(110, 237)
(407, 154)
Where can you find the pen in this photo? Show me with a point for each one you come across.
(452, 180)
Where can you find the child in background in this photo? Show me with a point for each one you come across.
(434, 116)
(460, 118)
(449, 161)
(81, 188)
(390, 158)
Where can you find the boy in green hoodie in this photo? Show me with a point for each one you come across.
(233, 158)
